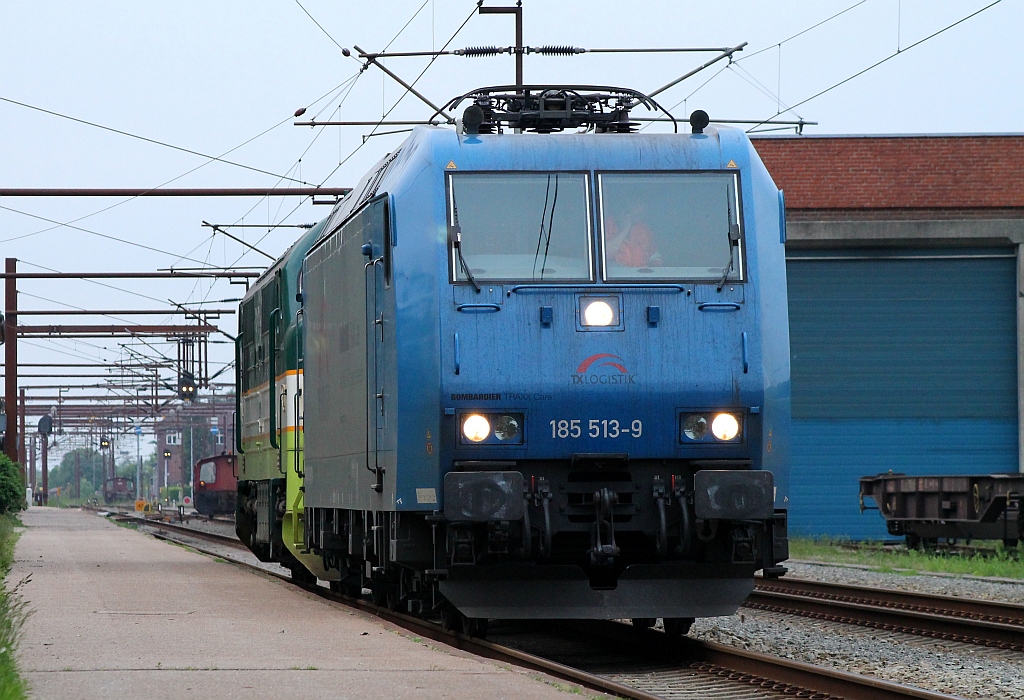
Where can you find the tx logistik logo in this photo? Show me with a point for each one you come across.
(603, 368)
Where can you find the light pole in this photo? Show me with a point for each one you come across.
(138, 462)
(191, 461)
(167, 475)
(104, 444)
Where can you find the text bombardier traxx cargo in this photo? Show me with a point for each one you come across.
(525, 374)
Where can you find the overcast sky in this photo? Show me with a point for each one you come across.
(211, 76)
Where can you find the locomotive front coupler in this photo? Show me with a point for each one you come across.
(684, 497)
(604, 552)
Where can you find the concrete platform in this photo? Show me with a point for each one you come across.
(119, 613)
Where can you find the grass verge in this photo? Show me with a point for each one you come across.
(12, 615)
(989, 559)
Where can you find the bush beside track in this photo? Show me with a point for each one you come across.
(12, 608)
(12, 615)
(12, 486)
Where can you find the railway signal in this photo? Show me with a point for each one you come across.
(186, 387)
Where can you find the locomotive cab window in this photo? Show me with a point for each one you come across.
(519, 227)
(670, 226)
(208, 472)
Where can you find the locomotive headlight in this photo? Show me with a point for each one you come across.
(695, 427)
(476, 428)
(725, 426)
(506, 428)
(598, 313)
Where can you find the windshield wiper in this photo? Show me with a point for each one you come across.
(725, 276)
(540, 236)
(734, 241)
(551, 221)
(455, 236)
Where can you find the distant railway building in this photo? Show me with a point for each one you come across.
(904, 271)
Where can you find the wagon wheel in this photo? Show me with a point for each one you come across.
(393, 596)
(451, 619)
(913, 541)
(474, 626)
(301, 575)
(677, 626)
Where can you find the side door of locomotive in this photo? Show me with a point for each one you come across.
(378, 280)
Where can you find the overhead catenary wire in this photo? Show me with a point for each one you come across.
(413, 83)
(882, 61)
(70, 306)
(800, 33)
(749, 78)
(383, 117)
(96, 233)
(145, 138)
(748, 56)
(163, 184)
(188, 172)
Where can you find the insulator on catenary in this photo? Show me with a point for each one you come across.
(557, 50)
(478, 51)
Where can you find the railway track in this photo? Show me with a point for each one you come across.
(611, 657)
(983, 623)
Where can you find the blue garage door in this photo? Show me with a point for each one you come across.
(901, 360)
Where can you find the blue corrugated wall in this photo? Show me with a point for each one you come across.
(904, 361)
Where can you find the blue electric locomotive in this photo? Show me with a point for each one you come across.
(545, 375)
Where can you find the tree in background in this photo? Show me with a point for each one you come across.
(90, 467)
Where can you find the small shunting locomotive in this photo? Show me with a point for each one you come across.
(214, 485)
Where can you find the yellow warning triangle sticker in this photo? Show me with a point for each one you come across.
(451, 166)
(731, 164)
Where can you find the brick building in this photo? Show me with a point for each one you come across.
(212, 433)
(904, 267)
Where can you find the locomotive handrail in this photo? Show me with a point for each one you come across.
(300, 314)
(745, 364)
(719, 306)
(295, 435)
(238, 393)
(597, 287)
(478, 308)
(274, 443)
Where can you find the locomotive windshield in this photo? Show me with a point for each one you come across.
(520, 226)
(208, 472)
(674, 226)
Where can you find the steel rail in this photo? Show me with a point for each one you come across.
(975, 622)
(953, 606)
(746, 669)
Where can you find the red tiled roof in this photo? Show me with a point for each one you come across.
(897, 172)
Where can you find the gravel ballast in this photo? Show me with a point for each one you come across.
(950, 667)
